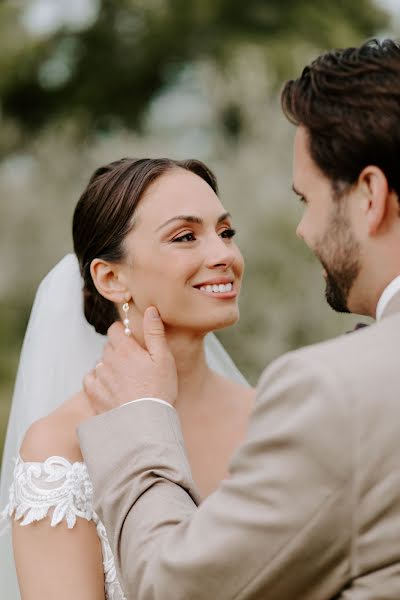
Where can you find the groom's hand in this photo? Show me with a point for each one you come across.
(129, 372)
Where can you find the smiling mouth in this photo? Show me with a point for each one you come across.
(221, 288)
(218, 290)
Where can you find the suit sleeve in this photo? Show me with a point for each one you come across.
(279, 527)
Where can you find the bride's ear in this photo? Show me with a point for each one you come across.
(109, 282)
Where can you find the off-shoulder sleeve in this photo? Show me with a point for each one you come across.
(62, 491)
(55, 487)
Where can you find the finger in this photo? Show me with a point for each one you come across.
(117, 337)
(116, 334)
(88, 382)
(99, 397)
(154, 333)
(108, 353)
(122, 344)
(92, 390)
(107, 378)
(114, 357)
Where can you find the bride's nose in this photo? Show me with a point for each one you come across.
(219, 253)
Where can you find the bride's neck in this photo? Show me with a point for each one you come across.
(192, 368)
(189, 353)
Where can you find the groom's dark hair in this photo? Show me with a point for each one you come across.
(349, 102)
(104, 216)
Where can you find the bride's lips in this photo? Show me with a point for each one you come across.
(222, 282)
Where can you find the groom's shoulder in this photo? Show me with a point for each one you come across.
(357, 348)
(364, 354)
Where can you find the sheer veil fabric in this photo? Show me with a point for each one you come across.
(59, 348)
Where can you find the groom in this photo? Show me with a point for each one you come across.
(311, 510)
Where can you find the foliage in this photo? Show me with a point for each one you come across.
(106, 74)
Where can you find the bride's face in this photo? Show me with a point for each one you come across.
(181, 256)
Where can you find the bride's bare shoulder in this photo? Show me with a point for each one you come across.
(243, 394)
(55, 434)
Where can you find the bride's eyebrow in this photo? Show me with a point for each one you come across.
(192, 219)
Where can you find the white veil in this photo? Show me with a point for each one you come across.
(59, 348)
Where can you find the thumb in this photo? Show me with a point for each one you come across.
(154, 332)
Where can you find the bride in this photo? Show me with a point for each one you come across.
(146, 232)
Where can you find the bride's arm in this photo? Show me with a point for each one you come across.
(56, 561)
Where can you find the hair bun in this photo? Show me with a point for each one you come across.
(99, 312)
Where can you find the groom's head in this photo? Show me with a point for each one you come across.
(346, 106)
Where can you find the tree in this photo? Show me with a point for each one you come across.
(107, 73)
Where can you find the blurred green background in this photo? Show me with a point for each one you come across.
(84, 82)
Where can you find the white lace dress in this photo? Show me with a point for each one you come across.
(64, 489)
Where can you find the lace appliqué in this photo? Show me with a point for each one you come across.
(65, 489)
(55, 484)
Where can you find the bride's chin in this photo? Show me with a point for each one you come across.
(223, 322)
(201, 327)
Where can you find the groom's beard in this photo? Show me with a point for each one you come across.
(339, 254)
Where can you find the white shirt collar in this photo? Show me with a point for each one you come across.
(387, 295)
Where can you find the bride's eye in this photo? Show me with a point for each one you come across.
(228, 233)
(187, 237)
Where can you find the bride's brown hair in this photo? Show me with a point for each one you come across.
(104, 216)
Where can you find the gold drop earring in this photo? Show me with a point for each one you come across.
(125, 308)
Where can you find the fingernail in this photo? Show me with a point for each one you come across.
(154, 313)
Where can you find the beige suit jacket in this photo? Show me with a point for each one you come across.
(311, 510)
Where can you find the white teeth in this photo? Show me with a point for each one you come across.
(217, 289)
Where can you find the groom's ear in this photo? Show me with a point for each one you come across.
(109, 281)
(376, 199)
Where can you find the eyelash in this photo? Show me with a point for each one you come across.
(226, 234)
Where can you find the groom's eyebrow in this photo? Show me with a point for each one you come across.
(192, 219)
